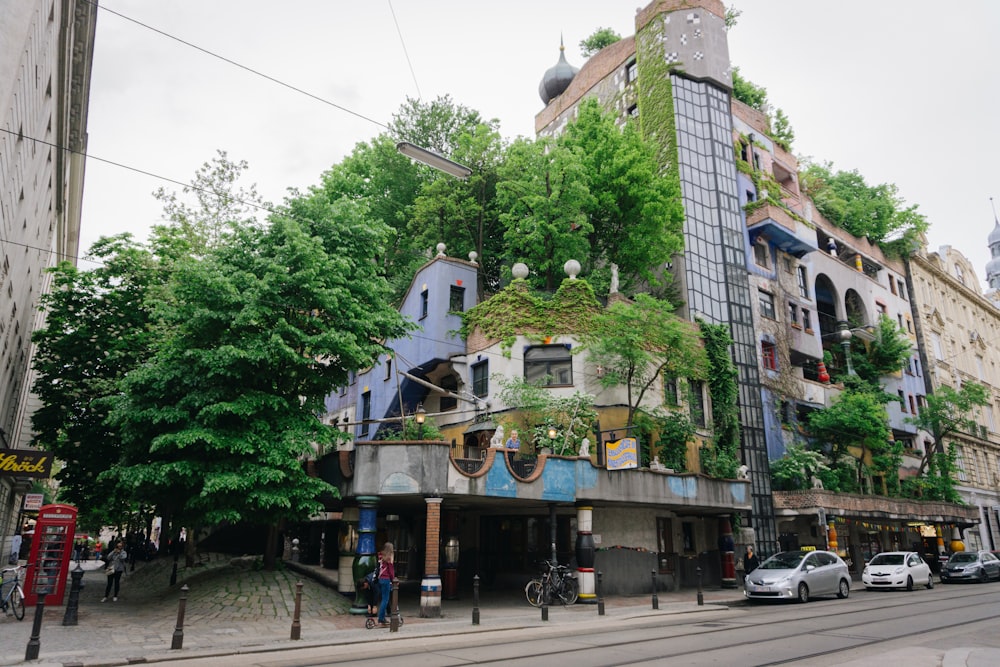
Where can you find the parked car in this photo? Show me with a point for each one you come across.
(798, 575)
(897, 569)
(971, 566)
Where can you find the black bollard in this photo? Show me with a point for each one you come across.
(173, 573)
(178, 639)
(656, 600)
(701, 596)
(394, 607)
(296, 624)
(600, 596)
(545, 602)
(475, 600)
(34, 643)
(69, 618)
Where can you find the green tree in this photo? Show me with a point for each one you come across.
(885, 354)
(748, 92)
(544, 196)
(635, 214)
(781, 130)
(877, 212)
(217, 422)
(947, 412)
(598, 40)
(638, 343)
(99, 327)
(857, 419)
(797, 467)
(570, 417)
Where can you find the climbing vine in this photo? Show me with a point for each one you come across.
(722, 459)
(656, 100)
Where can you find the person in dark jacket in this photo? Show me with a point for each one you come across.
(114, 568)
(750, 561)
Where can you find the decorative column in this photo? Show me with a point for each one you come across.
(585, 555)
(365, 560)
(430, 585)
(726, 549)
(831, 538)
(956, 540)
(347, 543)
(940, 540)
(452, 551)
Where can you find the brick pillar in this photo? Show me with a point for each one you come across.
(430, 585)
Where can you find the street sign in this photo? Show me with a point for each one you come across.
(33, 502)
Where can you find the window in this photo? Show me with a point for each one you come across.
(481, 378)
(892, 284)
(548, 365)
(766, 302)
(456, 299)
(936, 344)
(902, 400)
(633, 111)
(761, 253)
(913, 404)
(959, 274)
(631, 72)
(768, 355)
(696, 402)
(423, 303)
(902, 290)
(806, 320)
(793, 315)
(803, 281)
(670, 391)
(366, 414)
(388, 367)
(786, 261)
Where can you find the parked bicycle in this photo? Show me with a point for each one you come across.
(11, 593)
(557, 583)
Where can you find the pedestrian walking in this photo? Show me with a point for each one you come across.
(750, 561)
(386, 573)
(114, 568)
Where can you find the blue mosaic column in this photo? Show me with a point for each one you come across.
(365, 560)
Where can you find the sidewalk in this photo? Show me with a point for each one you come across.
(230, 610)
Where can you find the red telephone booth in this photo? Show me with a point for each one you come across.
(51, 552)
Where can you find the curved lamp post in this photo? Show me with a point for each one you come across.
(845, 334)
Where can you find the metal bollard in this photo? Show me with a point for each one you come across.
(394, 607)
(475, 600)
(178, 638)
(701, 596)
(545, 602)
(656, 600)
(73, 604)
(600, 595)
(34, 644)
(296, 623)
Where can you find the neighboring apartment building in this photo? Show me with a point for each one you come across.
(961, 330)
(46, 50)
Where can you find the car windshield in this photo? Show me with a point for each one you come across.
(887, 559)
(962, 557)
(787, 560)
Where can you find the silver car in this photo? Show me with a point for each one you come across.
(798, 575)
(971, 566)
(897, 569)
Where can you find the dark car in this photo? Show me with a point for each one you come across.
(971, 566)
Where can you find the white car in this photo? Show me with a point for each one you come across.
(897, 569)
(798, 575)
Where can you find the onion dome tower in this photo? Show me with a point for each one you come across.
(993, 266)
(557, 78)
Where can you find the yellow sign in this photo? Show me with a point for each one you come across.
(623, 454)
(807, 548)
(25, 463)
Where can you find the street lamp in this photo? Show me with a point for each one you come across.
(432, 159)
(421, 415)
(846, 335)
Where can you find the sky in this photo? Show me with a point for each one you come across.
(903, 91)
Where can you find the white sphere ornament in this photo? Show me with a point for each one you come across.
(440, 249)
(572, 268)
(519, 270)
(473, 256)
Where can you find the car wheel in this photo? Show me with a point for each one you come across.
(909, 583)
(930, 581)
(803, 593)
(844, 590)
(983, 576)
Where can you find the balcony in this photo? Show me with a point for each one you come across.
(421, 469)
(789, 233)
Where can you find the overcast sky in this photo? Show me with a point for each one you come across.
(904, 91)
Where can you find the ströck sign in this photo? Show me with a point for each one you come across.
(25, 463)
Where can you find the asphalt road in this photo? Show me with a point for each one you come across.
(879, 628)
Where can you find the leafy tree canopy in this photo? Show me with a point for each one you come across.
(877, 212)
(949, 411)
(598, 40)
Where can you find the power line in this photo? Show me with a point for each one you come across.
(245, 68)
(405, 52)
